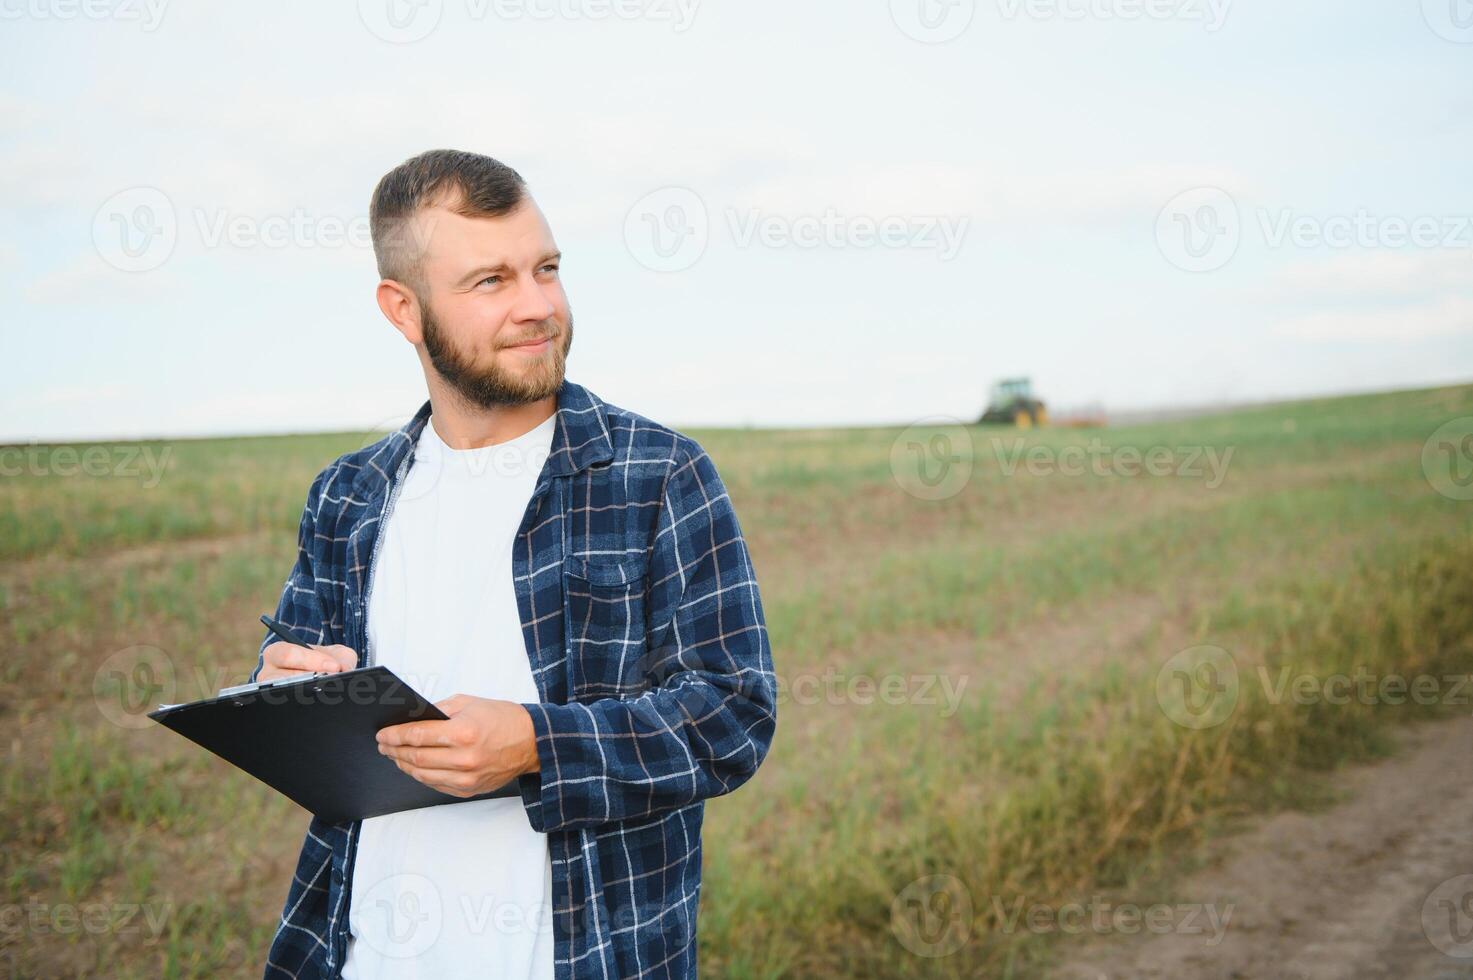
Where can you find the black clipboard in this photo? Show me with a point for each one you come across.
(311, 738)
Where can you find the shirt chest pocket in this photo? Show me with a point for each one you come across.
(606, 628)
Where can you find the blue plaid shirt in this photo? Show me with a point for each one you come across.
(646, 636)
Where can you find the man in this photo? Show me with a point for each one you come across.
(569, 579)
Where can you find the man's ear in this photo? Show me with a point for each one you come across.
(401, 307)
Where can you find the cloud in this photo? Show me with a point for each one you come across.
(1379, 274)
(88, 279)
(1378, 296)
(40, 174)
(1448, 318)
(990, 193)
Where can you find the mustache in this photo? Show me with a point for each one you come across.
(533, 339)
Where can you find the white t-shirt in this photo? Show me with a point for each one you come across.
(464, 889)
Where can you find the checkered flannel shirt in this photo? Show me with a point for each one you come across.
(647, 639)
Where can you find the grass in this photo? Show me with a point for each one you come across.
(1077, 780)
(1047, 602)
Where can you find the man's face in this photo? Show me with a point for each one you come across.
(496, 323)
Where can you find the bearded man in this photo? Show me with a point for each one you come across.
(567, 580)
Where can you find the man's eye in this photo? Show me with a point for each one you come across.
(550, 267)
(489, 279)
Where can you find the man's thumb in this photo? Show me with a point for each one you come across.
(452, 705)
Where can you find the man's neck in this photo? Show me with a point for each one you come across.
(461, 425)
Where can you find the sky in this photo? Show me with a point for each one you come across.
(771, 214)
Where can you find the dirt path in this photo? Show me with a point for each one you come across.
(1345, 893)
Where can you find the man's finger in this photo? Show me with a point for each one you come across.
(437, 779)
(428, 757)
(416, 733)
(291, 657)
(345, 656)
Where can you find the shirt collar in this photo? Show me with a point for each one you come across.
(580, 439)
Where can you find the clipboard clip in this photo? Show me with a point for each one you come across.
(255, 686)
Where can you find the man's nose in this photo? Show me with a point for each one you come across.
(532, 302)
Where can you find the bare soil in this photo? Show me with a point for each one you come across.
(1334, 894)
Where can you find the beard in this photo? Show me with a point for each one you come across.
(491, 385)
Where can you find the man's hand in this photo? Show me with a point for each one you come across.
(290, 660)
(484, 744)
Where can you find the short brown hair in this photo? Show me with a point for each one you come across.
(468, 183)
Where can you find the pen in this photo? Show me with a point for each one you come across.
(282, 633)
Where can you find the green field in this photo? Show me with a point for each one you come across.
(970, 683)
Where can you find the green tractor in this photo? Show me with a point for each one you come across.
(1012, 403)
